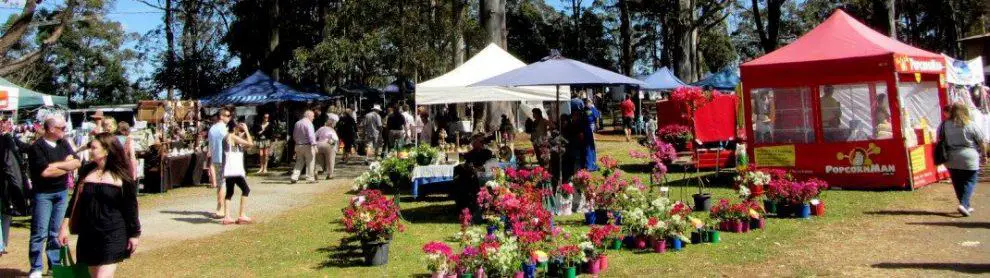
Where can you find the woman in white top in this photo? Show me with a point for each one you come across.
(237, 139)
(326, 147)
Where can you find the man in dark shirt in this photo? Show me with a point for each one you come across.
(347, 130)
(395, 123)
(467, 180)
(50, 161)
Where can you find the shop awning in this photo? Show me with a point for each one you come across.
(725, 80)
(662, 79)
(14, 97)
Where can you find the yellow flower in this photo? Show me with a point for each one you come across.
(753, 213)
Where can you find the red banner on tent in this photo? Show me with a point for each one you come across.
(869, 164)
(908, 64)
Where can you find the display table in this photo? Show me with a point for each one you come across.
(182, 170)
(429, 174)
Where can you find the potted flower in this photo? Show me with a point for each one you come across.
(657, 229)
(468, 262)
(564, 198)
(755, 213)
(570, 256)
(679, 135)
(438, 256)
(804, 192)
(374, 219)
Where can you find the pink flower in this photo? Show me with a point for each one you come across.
(567, 188)
(436, 247)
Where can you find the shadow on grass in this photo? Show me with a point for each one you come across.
(913, 213)
(957, 267)
(347, 254)
(636, 168)
(445, 213)
(570, 222)
(435, 198)
(11, 272)
(964, 225)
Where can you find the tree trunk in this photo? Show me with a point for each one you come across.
(18, 29)
(682, 35)
(770, 32)
(626, 34)
(271, 61)
(892, 16)
(457, 20)
(493, 19)
(169, 51)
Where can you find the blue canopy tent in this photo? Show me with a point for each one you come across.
(662, 80)
(259, 89)
(725, 80)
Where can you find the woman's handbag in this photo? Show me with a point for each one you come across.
(68, 267)
(941, 154)
(234, 163)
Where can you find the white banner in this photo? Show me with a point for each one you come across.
(966, 73)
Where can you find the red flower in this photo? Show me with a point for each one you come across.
(436, 247)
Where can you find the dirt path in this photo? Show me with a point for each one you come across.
(922, 236)
(174, 218)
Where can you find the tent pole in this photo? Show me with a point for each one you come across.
(560, 153)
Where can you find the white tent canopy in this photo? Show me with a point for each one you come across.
(452, 87)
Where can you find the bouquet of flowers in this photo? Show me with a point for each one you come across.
(752, 182)
(601, 236)
(438, 257)
(372, 216)
(502, 256)
(469, 260)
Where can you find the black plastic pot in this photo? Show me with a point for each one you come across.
(702, 202)
(375, 252)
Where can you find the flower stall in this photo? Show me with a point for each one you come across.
(847, 104)
(701, 124)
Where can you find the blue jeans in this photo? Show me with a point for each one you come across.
(963, 181)
(46, 222)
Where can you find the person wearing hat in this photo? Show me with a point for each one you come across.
(372, 125)
(97, 122)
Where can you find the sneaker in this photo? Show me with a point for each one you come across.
(35, 274)
(971, 210)
(964, 211)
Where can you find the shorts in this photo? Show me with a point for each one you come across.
(627, 122)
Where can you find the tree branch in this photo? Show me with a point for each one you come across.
(17, 30)
(24, 61)
(64, 17)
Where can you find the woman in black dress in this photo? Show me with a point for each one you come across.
(103, 210)
(265, 133)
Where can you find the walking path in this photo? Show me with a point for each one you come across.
(180, 217)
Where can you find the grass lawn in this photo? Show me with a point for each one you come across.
(308, 241)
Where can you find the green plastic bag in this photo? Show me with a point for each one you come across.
(69, 268)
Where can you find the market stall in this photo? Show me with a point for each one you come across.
(725, 80)
(14, 98)
(846, 104)
(706, 128)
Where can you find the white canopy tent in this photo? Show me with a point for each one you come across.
(452, 87)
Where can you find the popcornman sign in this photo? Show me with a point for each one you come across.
(860, 162)
(919, 65)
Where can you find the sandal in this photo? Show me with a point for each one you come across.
(244, 220)
(227, 221)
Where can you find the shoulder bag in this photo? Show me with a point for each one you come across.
(941, 147)
(234, 163)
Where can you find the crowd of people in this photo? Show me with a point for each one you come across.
(103, 211)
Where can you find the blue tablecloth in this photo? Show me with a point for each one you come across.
(429, 174)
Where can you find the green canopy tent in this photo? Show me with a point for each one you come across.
(25, 98)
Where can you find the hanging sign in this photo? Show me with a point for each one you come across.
(907, 64)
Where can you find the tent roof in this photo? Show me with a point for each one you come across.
(452, 87)
(257, 89)
(556, 70)
(662, 79)
(840, 37)
(28, 98)
(726, 80)
(490, 61)
(840, 49)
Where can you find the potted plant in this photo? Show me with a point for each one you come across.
(564, 199)
(678, 135)
(804, 192)
(438, 257)
(468, 262)
(424, 154)
(570, 256)
(656, 230)
(374, 219)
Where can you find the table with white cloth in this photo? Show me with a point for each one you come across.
(430, 174)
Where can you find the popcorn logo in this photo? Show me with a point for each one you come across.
(860, 162)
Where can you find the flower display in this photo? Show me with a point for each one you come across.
(438, 256)
(570, 255)
(600, 236)
(567, 189)
(372, 216)
(795, 191)
(674, 133)
(609, 165)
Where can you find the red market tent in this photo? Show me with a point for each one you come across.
(846, 104)
(712, 123)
